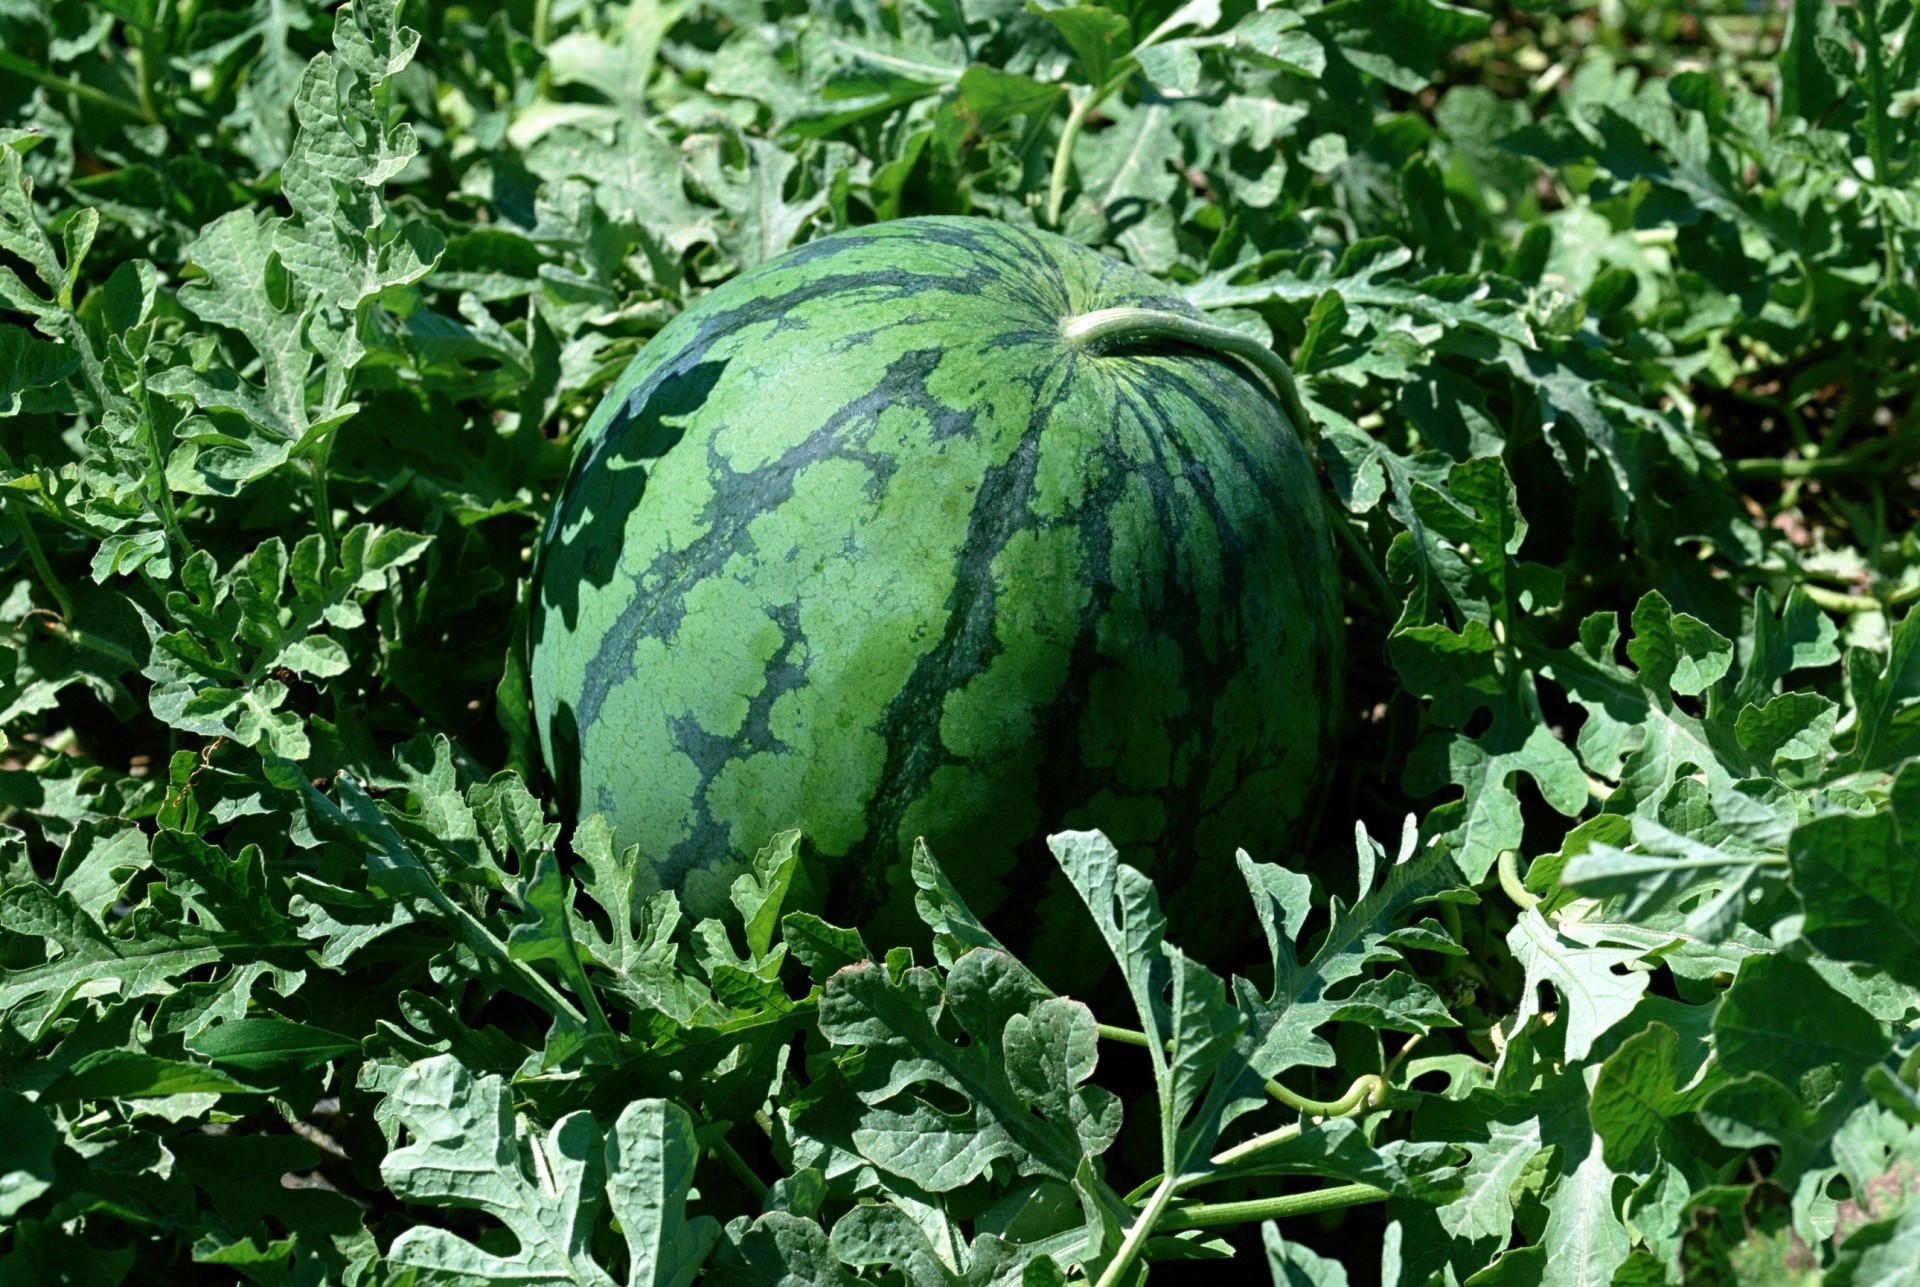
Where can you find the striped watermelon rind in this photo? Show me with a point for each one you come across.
(861, 543)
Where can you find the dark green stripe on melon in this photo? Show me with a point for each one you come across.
(861, 544)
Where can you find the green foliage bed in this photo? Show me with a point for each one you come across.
(1599, 965)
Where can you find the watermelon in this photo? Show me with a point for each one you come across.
(862, 544)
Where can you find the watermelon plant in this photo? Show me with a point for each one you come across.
(885, 540)
(744, 642)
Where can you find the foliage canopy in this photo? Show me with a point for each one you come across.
(1601, 966)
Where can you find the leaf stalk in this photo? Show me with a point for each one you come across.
(1136, 1237)
(1212, 1215)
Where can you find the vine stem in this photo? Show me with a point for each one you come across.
(1510, 881)
(100, 647)
(143, 73)
(1836, 601)
(1366, 1090)
(1878, 456)
(157, 469)
(1258, 1144)
(742, 1170)
(1208, 1215)
(22, 67)
(1063, 154)
(1877, 110)
(1143, 1225)
(322, 499)
(38, 558)
(1377, 581)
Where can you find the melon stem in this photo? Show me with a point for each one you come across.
(1106, 325)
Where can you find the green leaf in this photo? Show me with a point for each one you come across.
(1278, 38)
(396, 870)
(759, 893)
(1676, 651)
(260, 1042)
(1467, 537)
(637, 958)
(991, 97)
(131, 1074)
(1594, 990)
(1634, 1096)
(21, 235)
(1194, 1037)
(1285, 1022)
(1584, 1227)
(1860, 883)
(887, 1235)
(1042, 1122)
(1099, 38)
(1782, 1020)
(1368, 278)
(1814, 45)
(547, 1190)
(956, 930)
(547, 934)
(1800, 637)
(1884, 695)
(1665, 870)
(244, 286)
(821, 947)
(1792, 726)
(99, 861)
(1293, 1265)
(778, 1247)
(1885, 1251)
(86, 962)
(26, 1156)
(27, 363)
(1401, 41)
(1326, 323)
(1500, 1142)
(748, 178)
(1635, 730)
(1051, 1051)
(229, 894)
(650, 1160)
